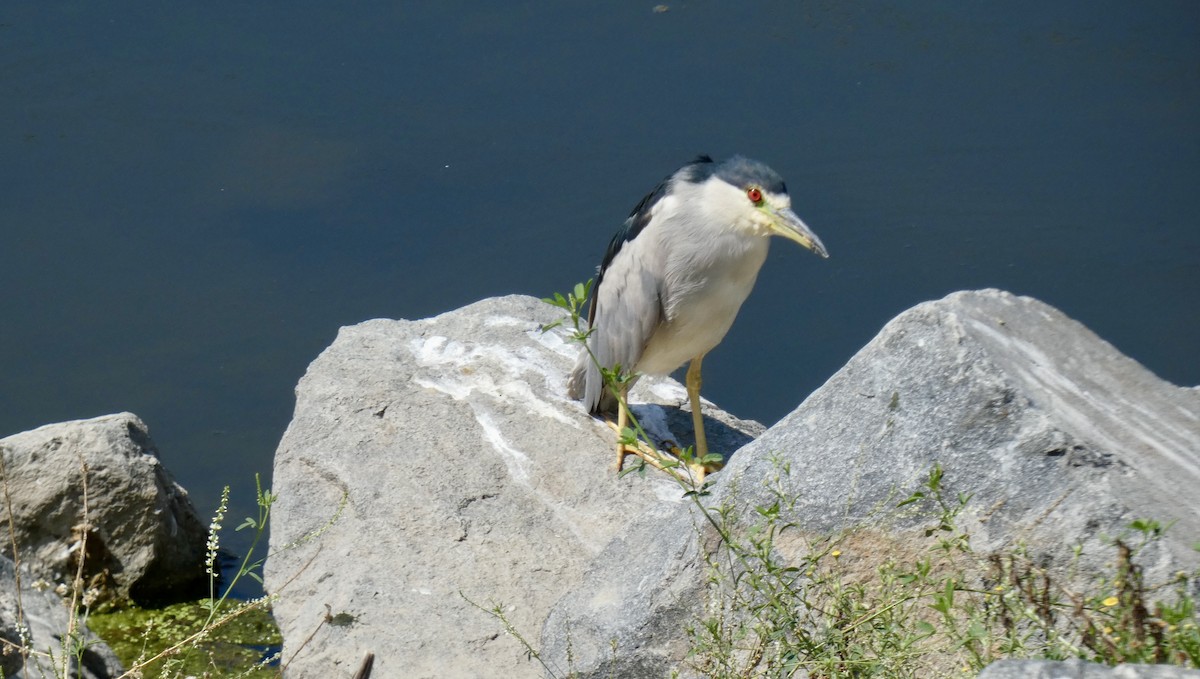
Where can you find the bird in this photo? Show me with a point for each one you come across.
(674, 277)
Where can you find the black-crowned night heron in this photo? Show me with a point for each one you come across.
(675, 275)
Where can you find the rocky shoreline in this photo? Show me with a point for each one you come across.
(434, 470)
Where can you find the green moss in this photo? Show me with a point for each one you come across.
(137, 634)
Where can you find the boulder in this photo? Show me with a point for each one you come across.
(1077, 669)
(37, 621)
(461, 479)
(144, 541)
(1058, 438)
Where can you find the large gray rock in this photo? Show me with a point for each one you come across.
(466, 473)
(1060, 439)
(1076, 669)
(146, 540)
(37, 622)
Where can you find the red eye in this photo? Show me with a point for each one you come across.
(754, 194)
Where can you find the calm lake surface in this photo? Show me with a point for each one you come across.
(194, 197)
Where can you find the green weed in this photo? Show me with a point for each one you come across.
(866, 603)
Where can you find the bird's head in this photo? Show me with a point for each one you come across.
(754, 197)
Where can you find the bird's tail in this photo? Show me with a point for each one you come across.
(577, 381)
(586, 384)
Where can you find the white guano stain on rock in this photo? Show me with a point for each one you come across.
(556, 342)
(470, 377)
(515, 460)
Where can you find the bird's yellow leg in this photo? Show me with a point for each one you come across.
(622, 422)
(693, 389)
(639, 448)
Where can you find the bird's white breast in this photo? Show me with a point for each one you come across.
(712, 267)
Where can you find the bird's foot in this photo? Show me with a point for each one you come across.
(673, 457)
(636, 447)
(698, 468)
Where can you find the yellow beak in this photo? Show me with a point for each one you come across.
(785, 223)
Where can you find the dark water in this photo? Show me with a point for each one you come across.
(194, 196)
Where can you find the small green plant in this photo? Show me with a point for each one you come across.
(211, 637)
(782, 604)
(249, 566)
(862, 604)
(181, 640)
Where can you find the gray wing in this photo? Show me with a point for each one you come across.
(627, 312)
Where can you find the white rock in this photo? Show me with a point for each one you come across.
(467, 472)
